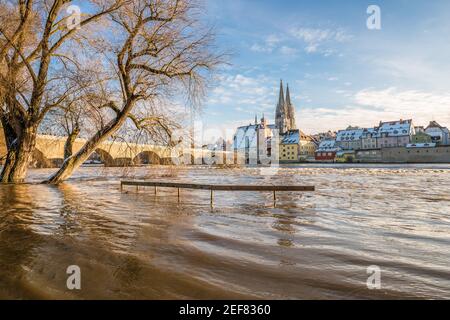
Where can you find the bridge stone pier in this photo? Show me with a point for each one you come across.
(50, 153)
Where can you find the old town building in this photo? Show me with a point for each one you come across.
(439, 134)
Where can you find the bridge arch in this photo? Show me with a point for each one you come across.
(39, 160)
(147, 157)
(103, 156)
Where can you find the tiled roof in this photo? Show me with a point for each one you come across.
(434, 124)
(327, 145)
(291, 137)
(349, 135)
(395, 128)
(390, 129)
(294, 137)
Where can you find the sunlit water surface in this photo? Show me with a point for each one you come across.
(310, 246)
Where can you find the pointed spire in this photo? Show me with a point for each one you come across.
(281, 112)
(256, 119)
(290, 110)
(288, 95)
(281, 98)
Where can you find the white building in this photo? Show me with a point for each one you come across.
(349, 139)
(254, 141)
(439, 134)
(386, 135)
(369, 139)
(395, 134)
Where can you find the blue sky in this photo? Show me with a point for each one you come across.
(340, 72)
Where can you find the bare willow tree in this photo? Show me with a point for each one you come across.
(157, 46)
(35, 39)
(76, 114)
(67, 121)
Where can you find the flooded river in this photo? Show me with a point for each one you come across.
(318, 245)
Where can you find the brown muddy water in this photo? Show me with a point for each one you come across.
(311, 246)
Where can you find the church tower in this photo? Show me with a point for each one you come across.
(290, 111)
(281, 112)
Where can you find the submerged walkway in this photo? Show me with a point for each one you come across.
(216, 187)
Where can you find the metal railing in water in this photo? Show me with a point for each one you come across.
(216, 187)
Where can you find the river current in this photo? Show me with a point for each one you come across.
(317, 245)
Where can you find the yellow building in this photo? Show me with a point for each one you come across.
(296, 146)
(307, 148)
(289, 152)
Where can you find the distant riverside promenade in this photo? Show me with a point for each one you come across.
(439, 154)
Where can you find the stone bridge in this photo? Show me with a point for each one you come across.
(50, 152)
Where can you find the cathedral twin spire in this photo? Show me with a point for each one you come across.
(285, 112)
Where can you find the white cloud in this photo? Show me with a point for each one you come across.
(410, 102)
(314, 41)
(311, 35)
(371, 106)
(272, 40)
(314, 38)
(259, 48)
(268, 46)
(273, 43)
(288, 51)
(316, 35)
(249, 94)
(311, 48)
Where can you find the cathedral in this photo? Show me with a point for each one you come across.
(285, 112)
(256, 138)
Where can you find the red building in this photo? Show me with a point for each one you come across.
(327, 151)
(325, 155)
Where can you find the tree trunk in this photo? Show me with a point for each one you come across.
(71, 164)
(20, 153)
(68, 146)
(74, 162)
(10, 138)
(7, 166)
